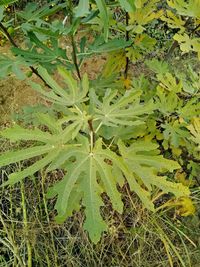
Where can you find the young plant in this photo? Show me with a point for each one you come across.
(101, 135)
(92, 164)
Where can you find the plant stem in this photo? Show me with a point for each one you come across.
(171, 50)
(11, 40)
(7, 35)
(99, 126)
(74, 56)
(29, 249)
(14, 248)
(92, 133)
(127, 39)
(48, 221)
(74, 49)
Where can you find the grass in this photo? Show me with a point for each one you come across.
(30, 237)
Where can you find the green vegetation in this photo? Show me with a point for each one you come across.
(104, 171)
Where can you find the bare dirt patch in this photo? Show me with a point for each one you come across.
(14, 94)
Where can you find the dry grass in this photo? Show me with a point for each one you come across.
(137, 238)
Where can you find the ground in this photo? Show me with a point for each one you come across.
(15, 94)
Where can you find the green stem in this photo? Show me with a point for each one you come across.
(48, 221)
(15, 249)
(92, 134)
(26, 230)
(99, 126)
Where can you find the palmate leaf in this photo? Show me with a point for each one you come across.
(167, 102)
(12, 65)
(146, 11)
(189, 8)
(191, 81)
(190, 109)
(169, 82)
(173, 20)
(174, 132)
(43, 55)
(125, 110)
(144, 161)
(51, 146)
(92, 174)
(74, 94)
(89, 167)
(96, 170)
(187, 44)
(159, 67)
(194, 129)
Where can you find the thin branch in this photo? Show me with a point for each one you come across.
(171, 50)
(190, 157)
(8, 35)
(74, 49)
(196, 28)
(11, 40)
(74, 55)
(127, 39)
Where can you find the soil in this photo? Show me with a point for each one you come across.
(15, 94)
